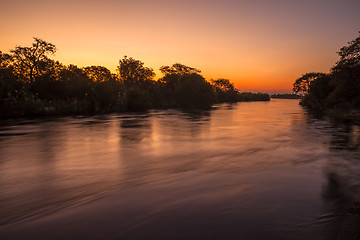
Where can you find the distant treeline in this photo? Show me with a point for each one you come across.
(338, 91)
(286, 96)
(33, 84)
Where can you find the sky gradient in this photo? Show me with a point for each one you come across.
(260, 45)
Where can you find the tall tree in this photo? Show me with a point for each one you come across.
(28, 60)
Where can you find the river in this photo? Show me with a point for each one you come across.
(251, 170)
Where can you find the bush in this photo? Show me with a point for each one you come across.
(138, 99)
(193, 91)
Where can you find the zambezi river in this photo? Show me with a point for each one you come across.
(248, 171)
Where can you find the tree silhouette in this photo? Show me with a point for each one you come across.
(31, 83)
(340, 89)
(349, 56)
(193, 91)
(99, 74)
(9, 84)
(132, 72)
(28, 60)
(178, 69)
(47, 85)
(225, 90)
(77, 82)
(302, 84)
(5, 60)
(223, 84)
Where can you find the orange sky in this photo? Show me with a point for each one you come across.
(260, 45)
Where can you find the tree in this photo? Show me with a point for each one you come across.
(225, 90)
(47, 85)
(178, 69)
(173, 73)
(340, 88)
(9, 85)
(223, 84)
(77, 82)
(28, 60)
(321, 87)
(183, 86)
(346, 77)
(5, 60)
(349, 56)
(302, 84)
(193, 91)
(99, 74)
(133, 73)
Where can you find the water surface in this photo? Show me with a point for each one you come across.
(257, 170)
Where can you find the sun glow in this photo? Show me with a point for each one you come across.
(257, 45)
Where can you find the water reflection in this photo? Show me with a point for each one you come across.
(268, 167)
(341, 184)
(133, 129)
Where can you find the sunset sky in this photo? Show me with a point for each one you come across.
(260, 45)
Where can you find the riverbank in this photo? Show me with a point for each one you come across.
(57, 108)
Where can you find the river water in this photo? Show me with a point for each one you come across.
(252, 170)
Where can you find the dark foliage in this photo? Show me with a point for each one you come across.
(133, 73)
(338, 90)
(193, 91)
(225, 90)
(33, 84)
(178, 69)
(286, 96)
(248, 96)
